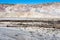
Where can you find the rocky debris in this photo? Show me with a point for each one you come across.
(29, 33)
(27, 23)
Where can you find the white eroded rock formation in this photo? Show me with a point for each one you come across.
(31, 11)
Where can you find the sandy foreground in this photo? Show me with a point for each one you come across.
(29, 33)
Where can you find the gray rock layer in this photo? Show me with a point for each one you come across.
(29, 34)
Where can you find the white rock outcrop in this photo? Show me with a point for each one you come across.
(31, 11)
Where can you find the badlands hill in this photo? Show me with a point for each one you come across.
(51, 10)
(30, 30)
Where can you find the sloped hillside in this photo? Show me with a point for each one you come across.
(30, 11)
(33, 24)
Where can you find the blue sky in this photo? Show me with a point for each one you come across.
(27, 1)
